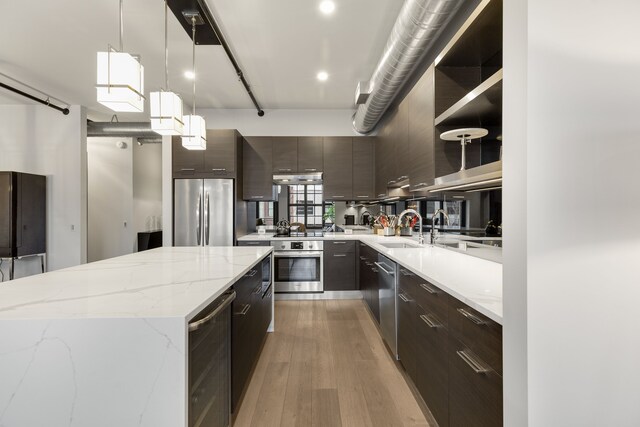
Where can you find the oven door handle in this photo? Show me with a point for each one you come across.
(308, 254)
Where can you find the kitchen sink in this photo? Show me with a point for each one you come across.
(400, 245)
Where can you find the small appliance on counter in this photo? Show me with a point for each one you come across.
(283, 228)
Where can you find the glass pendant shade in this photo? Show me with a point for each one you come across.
(195, 133)
(120, 83)
(166, 113)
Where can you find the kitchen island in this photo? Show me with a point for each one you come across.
(105, 343)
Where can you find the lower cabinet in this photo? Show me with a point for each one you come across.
(254, 243)
(368, 279)
(339, 265)
(251, 316)
(452, 353)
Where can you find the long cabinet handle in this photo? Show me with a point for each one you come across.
(284, 169)
(198, 229)
(430, 323)
(390, 273)
(194, 326)
(207, 218)
(251, 273)
(218, 169)
(310, 169)
(340, 255)
(187, 169)
(258, 289)
(257, 197)
(245, 309)
(428, 288)
(477, 366)
(362, 197)
(362, 258)
(475, 319)
(403, 298)
(337, 197)
(339, 243)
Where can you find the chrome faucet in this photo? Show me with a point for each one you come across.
(413, 211)
(433, 233)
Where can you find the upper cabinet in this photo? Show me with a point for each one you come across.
(421, 132)
(363, 169)
(258, 168)
(338, 164)
(310, 154)
(218, 160)
(285, 154)
(401, 143)
(222, 151)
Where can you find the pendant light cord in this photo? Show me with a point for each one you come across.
(166, 49)
(193, 32)
(121, 26)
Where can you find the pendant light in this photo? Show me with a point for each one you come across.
(195, 130)
(120, 81)
(166, 106)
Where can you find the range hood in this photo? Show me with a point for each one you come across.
(480, 178)
(298, 178)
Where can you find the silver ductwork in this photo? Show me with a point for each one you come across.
(418, 26)
(123, 129)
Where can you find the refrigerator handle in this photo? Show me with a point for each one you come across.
(198, 234)
(207, 213)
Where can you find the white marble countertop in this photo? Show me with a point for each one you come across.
(162, 282)
(475, 281)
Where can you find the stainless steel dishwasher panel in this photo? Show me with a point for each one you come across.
(387, 274)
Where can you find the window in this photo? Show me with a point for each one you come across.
(306, 205)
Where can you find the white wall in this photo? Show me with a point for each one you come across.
(110, 198)
(282, 122)
(571, 107)
(147, 185)
(39, 140)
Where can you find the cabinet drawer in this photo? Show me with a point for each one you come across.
(431, 298)
(339, 247)
(480, 334)
(246, 286)
(475, 390)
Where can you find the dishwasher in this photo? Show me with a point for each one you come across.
(387, 295)
(210, 364)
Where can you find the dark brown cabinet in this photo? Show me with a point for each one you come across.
(406, 305)
(401, 143)
(475, 391)
(368, 278)
(186, 162)
(339, 265)
(250, 319)
(221, 154)
(310, 154)
(218, 160)
(363, 168)
(338, 164)
(285, 154)
(258, 169)
(384, 158)
(421, 133)
(452, 353)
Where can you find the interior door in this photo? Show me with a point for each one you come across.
(218, 218)
(188, 212)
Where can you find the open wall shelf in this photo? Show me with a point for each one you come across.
(480, 107)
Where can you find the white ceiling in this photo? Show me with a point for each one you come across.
(280, 44)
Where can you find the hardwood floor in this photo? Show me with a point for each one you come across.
(326, 365)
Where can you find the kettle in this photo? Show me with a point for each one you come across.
(283, 228)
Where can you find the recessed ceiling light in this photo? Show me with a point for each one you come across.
(327, 7)
(190, 75)
(322, 76)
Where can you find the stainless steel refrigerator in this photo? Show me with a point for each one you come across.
(203, 212)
